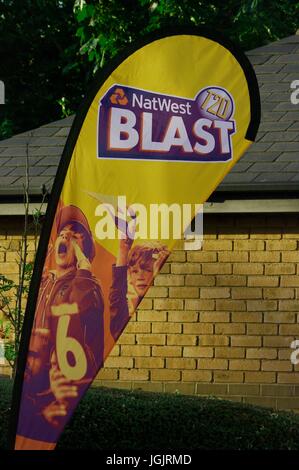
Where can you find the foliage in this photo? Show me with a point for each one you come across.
(109, 419)
(5, 404)
(13, 315)
(65, 107)
(6, 128)
(114, 419)
(106, 27)
(13, 293)
(49, 50)
(40, 62)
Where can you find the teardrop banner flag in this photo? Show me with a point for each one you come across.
(160, 128)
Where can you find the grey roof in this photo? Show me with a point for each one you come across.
(271, 164)
(44, 146)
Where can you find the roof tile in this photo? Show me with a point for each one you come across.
(279, 97)
(47, 151)
(274, 48)
(5, 170)
(7, 180)
(272, 116)
(290, 116)
(259, 156)
(268, 106)
(4, 160)
(47, 141)
(50, 171)
(276, 87)
(44, 131)
(265, 167)
(294, 126)
(271, 77)
(14, 141)
(259, 59)
(63, 132)
(233, 177)
(288, 157)
(241, 166)
(289, 68)
(286, 136)
(269, 68)
(289, 77)
(49, 161)
(285, 146)
(21, 161)
(294, 167)
(277, 126)
(289, 40)
(288, 59)
(35, 182)
(33, 171)
(66, 122)
(284, 106)
(270, 177)
(261, 146)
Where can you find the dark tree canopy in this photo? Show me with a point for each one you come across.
(50, 49)
(106, 26)
(39, 62)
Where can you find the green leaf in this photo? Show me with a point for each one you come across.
(83, 14)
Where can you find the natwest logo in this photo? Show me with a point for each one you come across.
(143, 125)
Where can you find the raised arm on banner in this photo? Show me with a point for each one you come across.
(82, 261)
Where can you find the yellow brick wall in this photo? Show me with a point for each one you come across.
(11, 229)
(218, 321)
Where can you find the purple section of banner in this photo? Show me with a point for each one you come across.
(44, 383)
(142, 125)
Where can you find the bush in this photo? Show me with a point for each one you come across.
(5, 402)
(116, 419)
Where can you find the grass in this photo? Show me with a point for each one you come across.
(118, 419)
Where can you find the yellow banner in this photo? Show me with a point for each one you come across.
(152, 141)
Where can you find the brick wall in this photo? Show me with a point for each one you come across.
(218, 321)
(11, 229)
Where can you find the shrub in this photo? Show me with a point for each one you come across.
(117, 419)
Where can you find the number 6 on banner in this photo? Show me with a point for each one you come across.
(66, 344)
